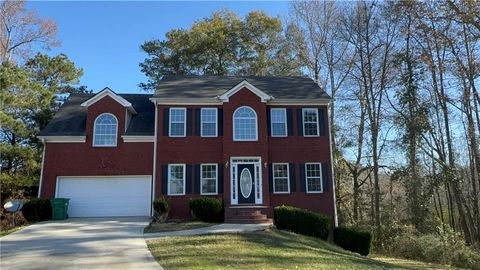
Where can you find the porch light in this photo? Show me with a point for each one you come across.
(265, 165)
(226, 164)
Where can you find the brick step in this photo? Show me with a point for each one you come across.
(249, 221)
(249, 217)
(245, 214)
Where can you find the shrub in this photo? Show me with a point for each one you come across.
(353, 239)
(206, 209)
(443, 248)
(37, 210)
(161, 208)
(301, 221)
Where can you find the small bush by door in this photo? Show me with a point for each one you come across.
(352, 239)
(206, 209)
(301, 221)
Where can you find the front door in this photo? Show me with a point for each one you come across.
(246, 182)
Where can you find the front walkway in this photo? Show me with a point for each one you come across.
(78, 243)
(221, 228)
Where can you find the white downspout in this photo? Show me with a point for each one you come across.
(331, 169)
(41, 170)
(154, 171)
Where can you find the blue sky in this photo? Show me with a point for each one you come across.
(104, 38)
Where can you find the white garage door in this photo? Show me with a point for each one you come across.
(106, 196)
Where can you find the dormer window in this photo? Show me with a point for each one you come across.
(105, 131)
(244, 124)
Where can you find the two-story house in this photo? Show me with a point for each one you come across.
(255, 142)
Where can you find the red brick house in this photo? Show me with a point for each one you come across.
(255, 142)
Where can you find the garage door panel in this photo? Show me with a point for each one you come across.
(106, 196)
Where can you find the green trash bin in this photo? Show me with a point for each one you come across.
(59, 208)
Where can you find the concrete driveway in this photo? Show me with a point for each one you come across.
(78, 244)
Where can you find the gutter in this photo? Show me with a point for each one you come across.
(41, 170)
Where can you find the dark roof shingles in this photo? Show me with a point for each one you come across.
(70, 120)
(212, 86)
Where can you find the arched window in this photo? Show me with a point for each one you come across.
(244, 124)
(105, 130)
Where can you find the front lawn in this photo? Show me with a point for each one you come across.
(176, 226)
(265, 250)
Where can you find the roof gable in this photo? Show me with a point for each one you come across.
(245, 84)
(108, 92)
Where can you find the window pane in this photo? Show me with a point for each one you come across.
(280, 177)
(176, 179)
(310, 129)
(310, 122)
(281, 185)
(177, 122)
(105, 133)
(314, 180)
(209, 121)
(278, 129)
(209, 179)
(314, 184)
(245, 124)
(280, 170)
(278, 119)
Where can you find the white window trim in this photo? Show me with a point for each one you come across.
(256, 125)
(216, 179)
(271, 122)
(170, 123)
(216, 122)
(288, 178)
(306, 177)
(95, 131)
(168, 179)
(303, 121)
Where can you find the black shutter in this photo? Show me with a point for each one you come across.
(292, 177)
(270, 177)
(269, 122)
(325, 176)
(198, 121)
(188, 179)
(189, 122)
(197, 179)
(299, 122)
(220, 178)
(166, 120)
(322, 122)
(220, 122)
(302, 177)
(289, 122)
(164, 179)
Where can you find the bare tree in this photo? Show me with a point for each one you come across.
(372, 38)
(21, 29)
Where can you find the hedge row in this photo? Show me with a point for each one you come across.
(301, 221)
(206, 209)
(352, 239)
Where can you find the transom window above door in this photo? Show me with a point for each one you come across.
(105, 131)
(245, 124)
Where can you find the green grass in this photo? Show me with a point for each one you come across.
(9, 231)
(265, 250)
(174, 226)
